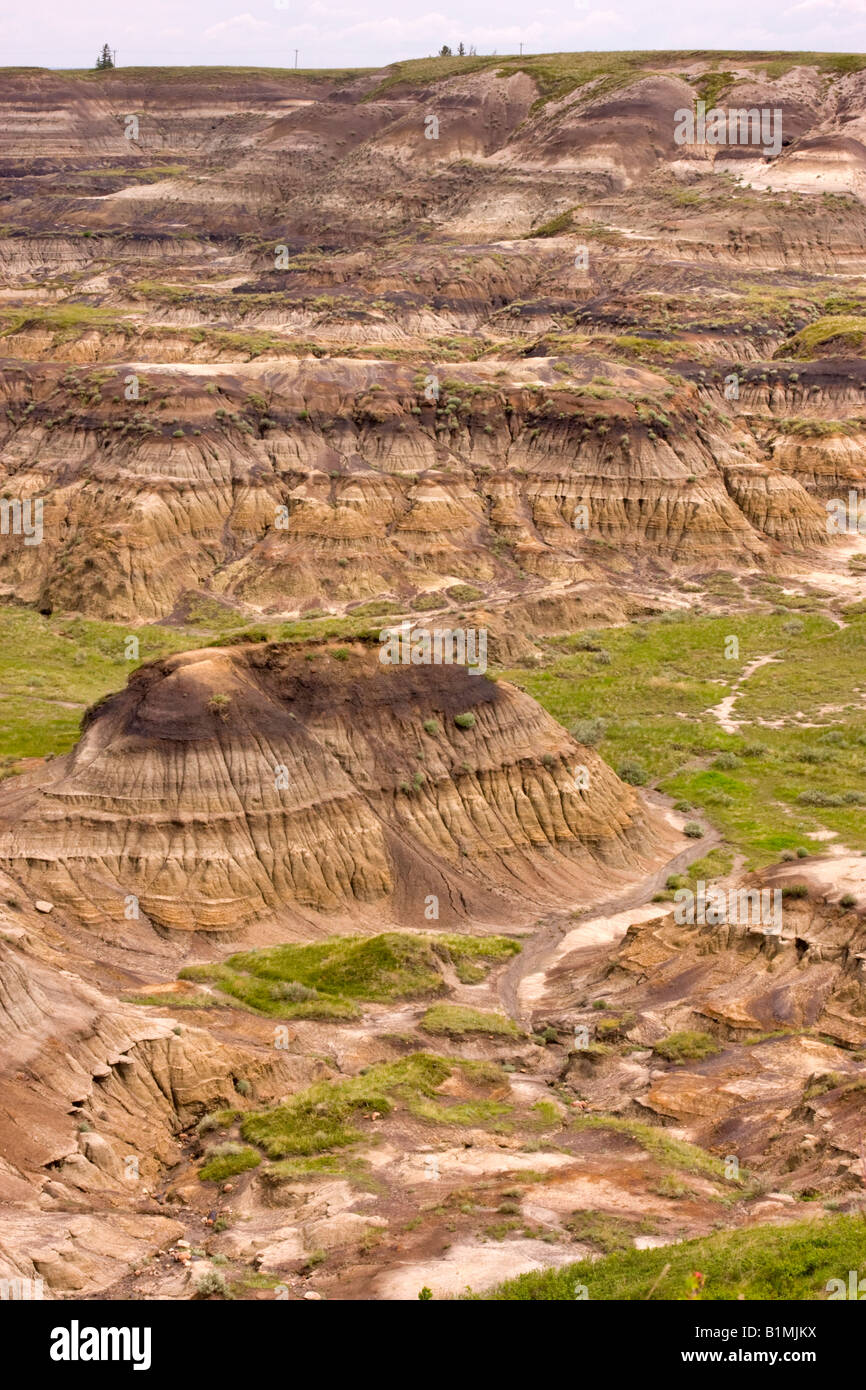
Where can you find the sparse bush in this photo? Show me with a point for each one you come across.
(634, 773)
(693, 830)
(590, 732)
(293, 991)
(465, 721)
(212, 1285)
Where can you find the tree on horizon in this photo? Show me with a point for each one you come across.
(105, 59)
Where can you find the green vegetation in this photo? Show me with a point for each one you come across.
(759, 1262)
(226, 1161)
(53, 668)
(556, 226)
(653, 706)
(606, 1231)
(64, 319)
(686, 1047)
(354, 1170)
(324, 1116)
(842, 334)
(324, 980)
(456, 1020)
(667, 1151)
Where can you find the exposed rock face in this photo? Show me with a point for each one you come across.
(786, 1007)
(353, 484)
(283, 314)
(93, 1094)
(231, 785)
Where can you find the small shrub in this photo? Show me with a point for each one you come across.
(431, 726)
(693, 830)
(465, 721)
(293, 991)
(211, 1285)
(589, 732)
(634, 773)
(754, 750)
(847, 900)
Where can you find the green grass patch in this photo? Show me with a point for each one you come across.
(760, 1262)
(324, 980)
(456, 1020)
(53, 668)
(226, 1161)
(840, 334)
(324, 1117)
(686, 1047)
(669, 1152)
(651, 705)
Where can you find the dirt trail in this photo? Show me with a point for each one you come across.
(723, 711)
(542, 945)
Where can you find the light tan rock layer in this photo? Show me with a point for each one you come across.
(229, 786)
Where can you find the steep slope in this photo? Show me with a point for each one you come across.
(230, 786)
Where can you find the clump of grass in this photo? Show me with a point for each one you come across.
(607, 1232)
(686, 1046)
(555, 226)
(216, 1119)
(226, 1161)
(465, 720)
(456, 1020)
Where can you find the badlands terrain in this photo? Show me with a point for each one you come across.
(328, 977)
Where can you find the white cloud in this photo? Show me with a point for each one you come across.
(238, 26)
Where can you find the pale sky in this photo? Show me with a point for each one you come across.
(369, 33)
